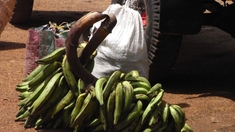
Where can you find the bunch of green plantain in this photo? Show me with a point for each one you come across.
(50, 90)
(128, 103)
(51, 96)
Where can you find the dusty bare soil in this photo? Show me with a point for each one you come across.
(202, 81)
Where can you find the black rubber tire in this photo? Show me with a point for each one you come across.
(22, 11)
(162, 49)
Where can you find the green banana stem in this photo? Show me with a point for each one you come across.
(72, 43)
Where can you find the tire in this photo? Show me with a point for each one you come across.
(22, 11)
(162, 49)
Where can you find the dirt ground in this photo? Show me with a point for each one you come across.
(202, 81)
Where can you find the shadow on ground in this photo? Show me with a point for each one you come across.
(10, 45)
(205, 85)
(39, 18)
(205, 65)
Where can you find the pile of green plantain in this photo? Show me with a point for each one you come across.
(61, 93)
(51, 96)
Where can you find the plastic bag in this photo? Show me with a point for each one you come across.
(125, 48)
(43, 40)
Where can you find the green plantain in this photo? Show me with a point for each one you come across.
(99, 85)
(52, 57)
(110, 105)
(78, 105)
(119, 101)
(138, 79)
(151, 106)
(34, 73)
(132, 73)
(43, 74)
(55, 96)
(141, 84)
(133, 115)
(110, 85)
(69, 76)
(36, 93)
(46, 93)
(128, 94)
(89, 105)
(177, 119)
(63, 102)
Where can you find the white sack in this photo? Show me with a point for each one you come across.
(125, 48)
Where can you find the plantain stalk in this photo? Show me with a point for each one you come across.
(77, 29)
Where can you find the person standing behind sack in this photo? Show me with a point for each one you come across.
(124, 49)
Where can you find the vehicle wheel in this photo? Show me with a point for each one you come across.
(22, 11)
(162, 49)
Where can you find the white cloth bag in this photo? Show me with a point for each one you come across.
(125, 48)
